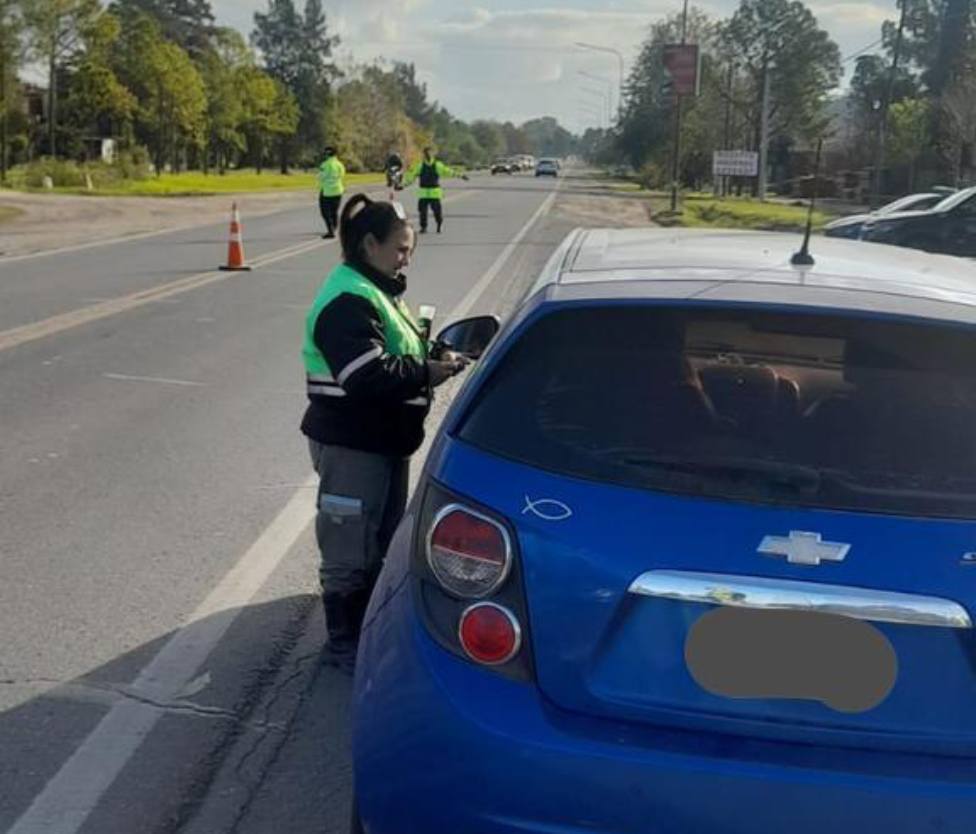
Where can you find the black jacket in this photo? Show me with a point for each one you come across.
(376, 414)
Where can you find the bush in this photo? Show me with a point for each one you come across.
(130, 166)
(64, 173)
(651, 176)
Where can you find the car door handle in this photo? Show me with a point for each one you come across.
(763, 593)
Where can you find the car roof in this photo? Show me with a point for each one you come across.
(754, 268)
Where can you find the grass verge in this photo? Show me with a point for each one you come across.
(195, 183)
(740, 213)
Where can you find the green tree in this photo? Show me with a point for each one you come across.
(413, 94)
(909, 125)
(224, 67)
(491, 137)
(782, 38)
(11, 57)
(645, 129)
(868, 91)
(297, 51)
(57, 29)
(368, 121)
(96, 100)
(939, 42)
(188, 23)
(174, 110)
(270, 114)
(548, 138)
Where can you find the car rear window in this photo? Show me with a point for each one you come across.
(787, 408)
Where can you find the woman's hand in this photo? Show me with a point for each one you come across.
(441, 370)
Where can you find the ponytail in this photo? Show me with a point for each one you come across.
(363, 216)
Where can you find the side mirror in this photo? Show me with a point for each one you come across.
(470, 336)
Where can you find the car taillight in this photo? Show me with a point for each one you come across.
(489, 634)
(469, 553)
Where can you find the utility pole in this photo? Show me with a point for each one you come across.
(676, 148)
(3, 100)
(879, 159)
(727, 134)
(764, 135)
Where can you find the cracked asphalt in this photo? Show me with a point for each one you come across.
(144, 454)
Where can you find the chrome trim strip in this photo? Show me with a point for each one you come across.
(765, 594)
(359, 362)
(511, 618)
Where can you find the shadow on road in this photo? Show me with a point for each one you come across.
(204, 764)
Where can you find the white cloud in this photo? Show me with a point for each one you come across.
(513, 60)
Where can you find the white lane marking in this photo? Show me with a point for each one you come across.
(67, 800)
(73, 793)
(157, 379)
(79, 247)
(468, 302)
(85, 315)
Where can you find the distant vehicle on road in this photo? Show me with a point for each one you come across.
(948, 228)
(851, 226)
(547, 168)
(503, 166)
(693, 552)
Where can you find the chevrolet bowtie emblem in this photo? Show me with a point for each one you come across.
(804, 548)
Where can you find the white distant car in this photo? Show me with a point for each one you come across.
(547, 168)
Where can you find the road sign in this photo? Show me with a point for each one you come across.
(682, 63)
(735, 163)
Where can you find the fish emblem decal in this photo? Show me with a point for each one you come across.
(547, 509)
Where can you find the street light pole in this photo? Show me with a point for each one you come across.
(604, 103)
(608, 93)
(620, 69)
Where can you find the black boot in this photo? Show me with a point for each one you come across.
(342, 623)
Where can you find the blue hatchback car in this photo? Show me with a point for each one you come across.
(694, 551)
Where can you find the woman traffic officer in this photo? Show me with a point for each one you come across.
(369, 382)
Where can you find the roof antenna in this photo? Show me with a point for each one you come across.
(803, 257)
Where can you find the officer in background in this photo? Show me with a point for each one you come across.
(332, 185)
(430, 171)
(370, 382)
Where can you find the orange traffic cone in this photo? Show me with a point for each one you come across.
(235, 249)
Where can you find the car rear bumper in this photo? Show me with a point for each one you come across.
(442, 745)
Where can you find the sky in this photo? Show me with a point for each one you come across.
(515, 60)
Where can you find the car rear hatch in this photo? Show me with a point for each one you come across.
(740, 584)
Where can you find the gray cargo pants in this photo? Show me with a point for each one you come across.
(361, 499)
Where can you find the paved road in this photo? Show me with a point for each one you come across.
(158, 602)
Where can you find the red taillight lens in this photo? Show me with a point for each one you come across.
(489, 634)
(468, 553)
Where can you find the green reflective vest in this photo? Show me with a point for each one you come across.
(332, 175)
(437, 192)
(400, 332)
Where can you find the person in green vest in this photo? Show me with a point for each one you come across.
(430, 171)
(332, 185)
(370, 382)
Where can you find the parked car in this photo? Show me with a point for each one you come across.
(949, 227)
(851, 226)
(503, 166)
(547, 168)
(693, 551)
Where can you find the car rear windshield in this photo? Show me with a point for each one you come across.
(755, 405)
